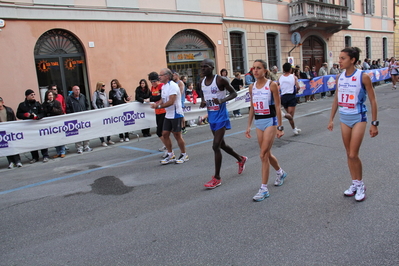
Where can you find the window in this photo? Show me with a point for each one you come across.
(368, 7)
(384, 48)
(348, 3)
(272, 50)
(348, 41)
(368, 47)
(384, 8)
(237, 51)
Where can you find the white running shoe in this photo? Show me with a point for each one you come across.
(121, 140)
(182, 158)
(360, 193)
(11, 166)
(280, 179)
(127, 139)
(296, 131)
(162, 149)
(351, 191)
(169, 159)
(165, 154)
(261, 195)
(104, 144)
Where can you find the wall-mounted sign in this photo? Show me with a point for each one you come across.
(44, 65)
(187, 56)
(296, 38)
(2, 23)
(70, 63)
(291, 60)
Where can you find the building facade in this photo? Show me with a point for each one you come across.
(81, 42)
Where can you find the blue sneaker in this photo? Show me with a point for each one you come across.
(280, 179)
(261, 195)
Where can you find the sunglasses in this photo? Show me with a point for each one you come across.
(102, 85)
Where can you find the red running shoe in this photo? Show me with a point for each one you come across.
(213, 183)
(241, 165)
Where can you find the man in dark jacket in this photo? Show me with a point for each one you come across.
(76, 102)
(32, 109)
(7, 114)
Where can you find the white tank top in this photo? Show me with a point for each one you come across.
(287, 84)
(262, 99)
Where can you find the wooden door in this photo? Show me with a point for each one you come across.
(313, 52)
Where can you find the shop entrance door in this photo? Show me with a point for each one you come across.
(60, 60)
(185, 51)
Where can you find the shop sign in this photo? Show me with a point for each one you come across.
(44, 65)
(187, 56)
(70, 63)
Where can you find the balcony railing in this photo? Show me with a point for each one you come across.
(308, 13)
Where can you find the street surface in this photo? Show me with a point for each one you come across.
(117, 205)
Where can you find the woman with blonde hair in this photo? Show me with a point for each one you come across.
(100, 100)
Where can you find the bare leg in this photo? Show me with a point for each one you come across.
(352, 138)
(180, 141)
(167, 140)
(218, 144)
(265, 141)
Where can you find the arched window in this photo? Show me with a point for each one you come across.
(60, 60)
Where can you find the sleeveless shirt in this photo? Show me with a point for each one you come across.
(351, 93)
(216, 112)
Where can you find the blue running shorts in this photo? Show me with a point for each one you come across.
(217, 126)
(264, 123)
(351, 119)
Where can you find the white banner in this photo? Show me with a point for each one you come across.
(29, 135)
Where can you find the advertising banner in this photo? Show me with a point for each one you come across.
(327, 83)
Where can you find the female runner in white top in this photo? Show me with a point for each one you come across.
(265, 107)
(352, 90)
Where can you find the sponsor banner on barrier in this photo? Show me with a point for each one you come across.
(327, 83)
(28, 135)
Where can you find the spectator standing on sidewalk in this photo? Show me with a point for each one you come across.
(7, 114)
(237, 84)
(117, 96)
(52, 107)
(32, 109)
(100, 100)
(77, 102)
(143, 93)
(323, 71)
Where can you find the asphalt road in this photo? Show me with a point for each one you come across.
(118, 206)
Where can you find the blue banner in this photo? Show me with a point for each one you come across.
(327, 83)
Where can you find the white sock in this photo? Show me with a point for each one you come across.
(357, 182)
(279, 171)
(263, 186)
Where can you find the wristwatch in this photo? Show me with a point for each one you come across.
(280, 128)
(375, 123)
(159, 106)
